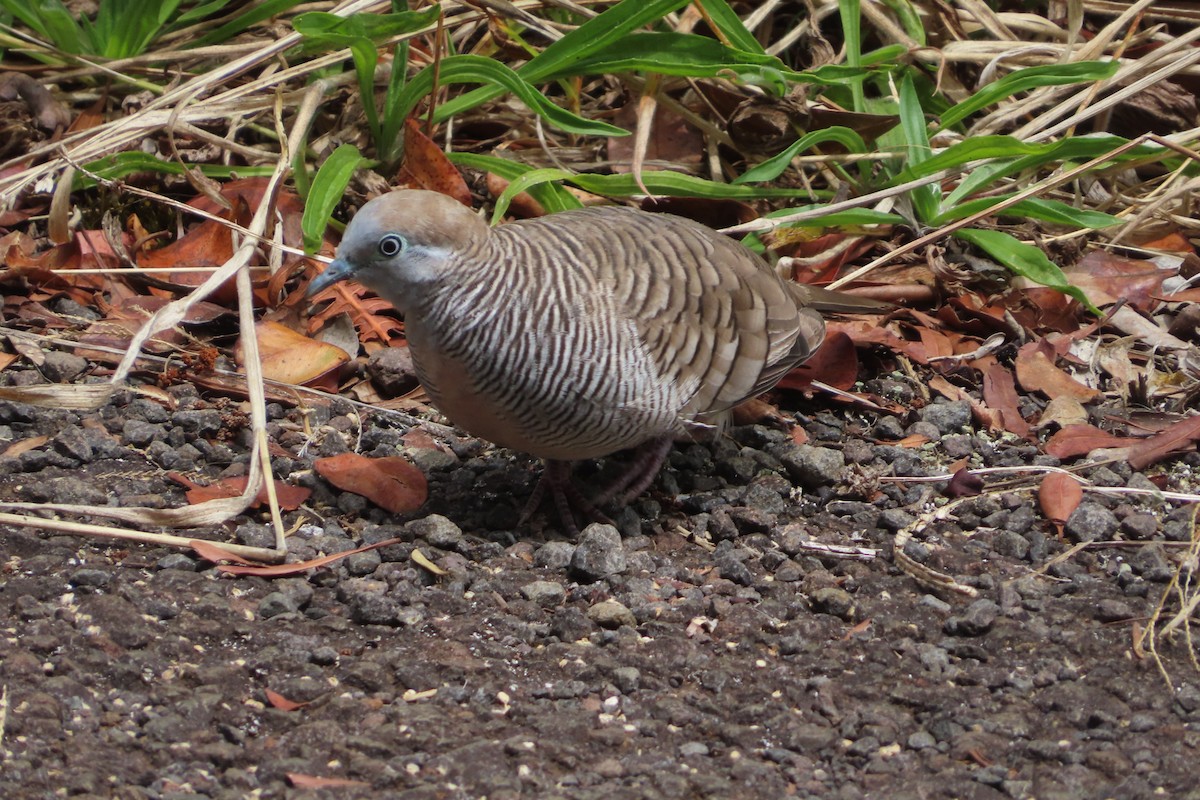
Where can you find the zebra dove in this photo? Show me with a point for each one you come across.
(579, 334)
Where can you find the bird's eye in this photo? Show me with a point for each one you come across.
(391, 244)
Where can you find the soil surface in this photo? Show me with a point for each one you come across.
(702, 648)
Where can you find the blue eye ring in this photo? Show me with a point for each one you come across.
(392, 244)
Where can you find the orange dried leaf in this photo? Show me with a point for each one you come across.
(391, 483)
(1000, 394)
(301, 781)
(1059, 495)
(427, 167)
(211, 551)
(1037, 372)
(286, 570)
(1179, 437)
(290, 357)
(835, 363)
(282, 703)
(290, 497)
(25, 445)
(1078, 440)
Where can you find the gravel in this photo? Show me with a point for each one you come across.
(711, 644)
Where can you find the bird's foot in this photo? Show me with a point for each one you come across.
(556, 481)
(633, 480)
(638, 474)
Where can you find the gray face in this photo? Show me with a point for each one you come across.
(400, 241)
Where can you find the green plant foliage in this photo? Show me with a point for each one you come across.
(121, 165)
(1024, 260)
(323, 31)
(127, 28)
(327, 190)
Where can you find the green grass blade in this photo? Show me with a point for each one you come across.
(1025, 79)
(1031, 156)
(671, 53)
(774, 166)
(660, 183)
(1024, 260)
(252, 16)
(729, 24)
(327, 190)
(597, 34)
(194, 15)
(477, 69)
(551, 196)
(1051, 211)
(327, 31)
(850, 12)
(122, 165)
(925, 198)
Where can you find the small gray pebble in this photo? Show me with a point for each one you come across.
(554, 555)
(813, 466)
(1152, 564)
(363, 563)
(611, 615)
(627, 679)
(733, 569)
(976, 619)
(599, 553)
(1110, 610)
(276, 603)
(439, 531)
(544, 593)
(948, 417)
(61, 367)
(1090, 522)
(835, 602)
(70, 441)
(176, 561)
(1010, 544)
(1140, 525)
(921, 740)
(90, 578)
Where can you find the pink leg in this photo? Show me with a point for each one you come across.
(646, 465)
(556, 479)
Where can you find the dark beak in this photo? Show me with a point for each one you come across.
(336, 271)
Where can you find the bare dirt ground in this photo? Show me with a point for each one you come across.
(706, 651)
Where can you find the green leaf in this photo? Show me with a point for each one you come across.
(522, 183)
(198, 13)
(252, 16)
(851, 217)
(774, 166)
(1073, 148)
(659, 182)
(670, 53)
(477, 69)
(850, 12)
(914, 26)
(551, 196)
(925, 198)
(597, 34)
(61, 28)
(327, 190)
(1051, 211)
(729, 24)
(322, 29)
(1024, 260)
(1025, 79)
(122, 165)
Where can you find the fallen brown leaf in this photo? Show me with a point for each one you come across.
(1059, 495)
(392, 483)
